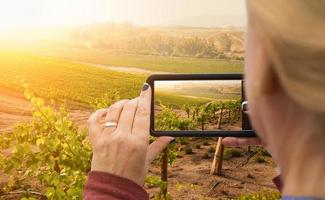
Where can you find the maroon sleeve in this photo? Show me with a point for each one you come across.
(102, 185)
(278, 182)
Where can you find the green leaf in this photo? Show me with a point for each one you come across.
(39, 141)
(50, 192)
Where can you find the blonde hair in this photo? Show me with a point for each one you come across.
(294, 32)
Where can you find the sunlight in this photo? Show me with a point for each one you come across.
(36, 13)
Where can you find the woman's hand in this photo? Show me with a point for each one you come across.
(124, 150)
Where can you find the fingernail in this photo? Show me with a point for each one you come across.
(145, 87)
(173, 141)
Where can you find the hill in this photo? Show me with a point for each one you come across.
(171, 41)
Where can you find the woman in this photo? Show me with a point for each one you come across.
(285, 88)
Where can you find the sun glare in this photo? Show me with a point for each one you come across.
(36, 13)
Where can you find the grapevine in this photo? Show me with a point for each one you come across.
(49, 149)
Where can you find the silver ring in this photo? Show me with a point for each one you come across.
(110, 124)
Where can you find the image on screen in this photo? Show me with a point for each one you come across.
(195, 105)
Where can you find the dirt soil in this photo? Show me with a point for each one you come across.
(132, 70)
(188, 177)
(16, 108)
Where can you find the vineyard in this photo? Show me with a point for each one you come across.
(211, 116)
(48, 156)
(197, 105)
(58, 79)
(49, 152)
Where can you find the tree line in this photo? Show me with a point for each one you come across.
(149, 41)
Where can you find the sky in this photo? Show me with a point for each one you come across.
(40, 13)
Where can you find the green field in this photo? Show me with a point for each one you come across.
(159, 63)
(175, 100)
(148, 62)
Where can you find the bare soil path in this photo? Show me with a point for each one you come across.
(16, 108)
(132, 70)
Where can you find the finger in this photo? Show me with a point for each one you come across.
(113, 114)
(93, 122)
(127, 116)
(141, 123)
(156, 147)
(235, 142)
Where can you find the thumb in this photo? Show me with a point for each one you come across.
(156, 147)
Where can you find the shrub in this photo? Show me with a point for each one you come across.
(211, 150)
(183, 141)
(188, 150)
(263, 195)
(153, 181)
(106, 100)
(260, 158)
(205, 156)
(232, 153)
(263, 152)
(205, 142)
(49, 149)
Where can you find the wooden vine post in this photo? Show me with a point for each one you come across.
(249, 149)
(217, 158)
(164, 173)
